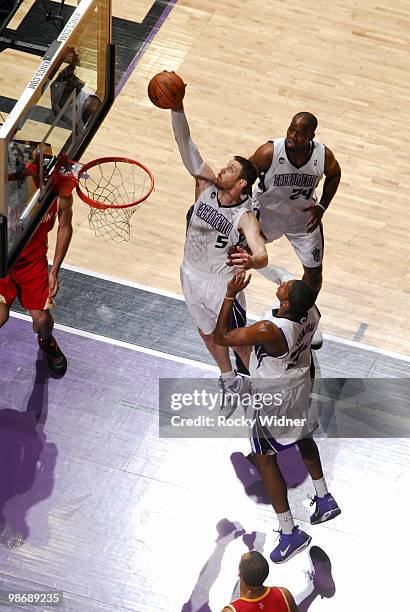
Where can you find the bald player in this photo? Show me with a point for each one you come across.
(290, 170)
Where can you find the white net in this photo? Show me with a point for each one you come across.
(108, 186)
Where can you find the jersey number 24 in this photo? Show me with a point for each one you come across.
(305, 193)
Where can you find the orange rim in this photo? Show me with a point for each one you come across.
(103, 160)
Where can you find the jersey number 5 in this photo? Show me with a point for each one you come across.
(306, 193)
(221, 241)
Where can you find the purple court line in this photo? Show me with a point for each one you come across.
(154, 30)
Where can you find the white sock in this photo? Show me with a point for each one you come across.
(286, 522)
(227, 375)
(320, 487)
(275, 274)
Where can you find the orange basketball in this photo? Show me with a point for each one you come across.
(166, 89)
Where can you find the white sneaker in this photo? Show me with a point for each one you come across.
(231, 390)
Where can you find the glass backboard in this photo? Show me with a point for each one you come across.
(58, 113)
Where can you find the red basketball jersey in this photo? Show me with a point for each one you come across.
(39, 242)
(273, 600)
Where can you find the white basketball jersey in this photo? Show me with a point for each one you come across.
(295, 362)
(285, 188)
(211, 230)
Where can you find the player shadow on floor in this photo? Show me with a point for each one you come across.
(27, 460)
(227, 532)
(320, 580)
(291, 465)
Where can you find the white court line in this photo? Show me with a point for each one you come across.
(126, 345)
(367, 347)
(121, 281)
(176, 296)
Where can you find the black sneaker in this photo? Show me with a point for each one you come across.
(56, 360)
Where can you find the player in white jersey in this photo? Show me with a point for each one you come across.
(280, 364)
(220, 218)
(290, 170)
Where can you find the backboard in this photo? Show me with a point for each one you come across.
(58, 113)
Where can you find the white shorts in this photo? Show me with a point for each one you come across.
(308, 247)
(284, 416)
(204, 294)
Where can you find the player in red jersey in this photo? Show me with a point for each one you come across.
(254, 596)
(35, 286)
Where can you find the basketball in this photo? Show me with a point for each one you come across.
(166, 90)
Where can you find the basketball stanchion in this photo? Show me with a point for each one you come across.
(113, 188)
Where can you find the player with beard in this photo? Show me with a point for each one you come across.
(220, 218)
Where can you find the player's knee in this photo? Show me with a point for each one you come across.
(4, 314)
(243, 351)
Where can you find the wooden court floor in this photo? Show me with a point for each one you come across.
(250, 65)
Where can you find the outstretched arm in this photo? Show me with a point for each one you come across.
(190, 155)
(263, 332)
(64, 233)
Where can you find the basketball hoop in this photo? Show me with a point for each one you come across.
(113, 188)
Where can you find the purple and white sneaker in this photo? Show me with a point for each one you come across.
(290, 545)
(326, 509)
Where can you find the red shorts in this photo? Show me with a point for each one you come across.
(27, 280)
